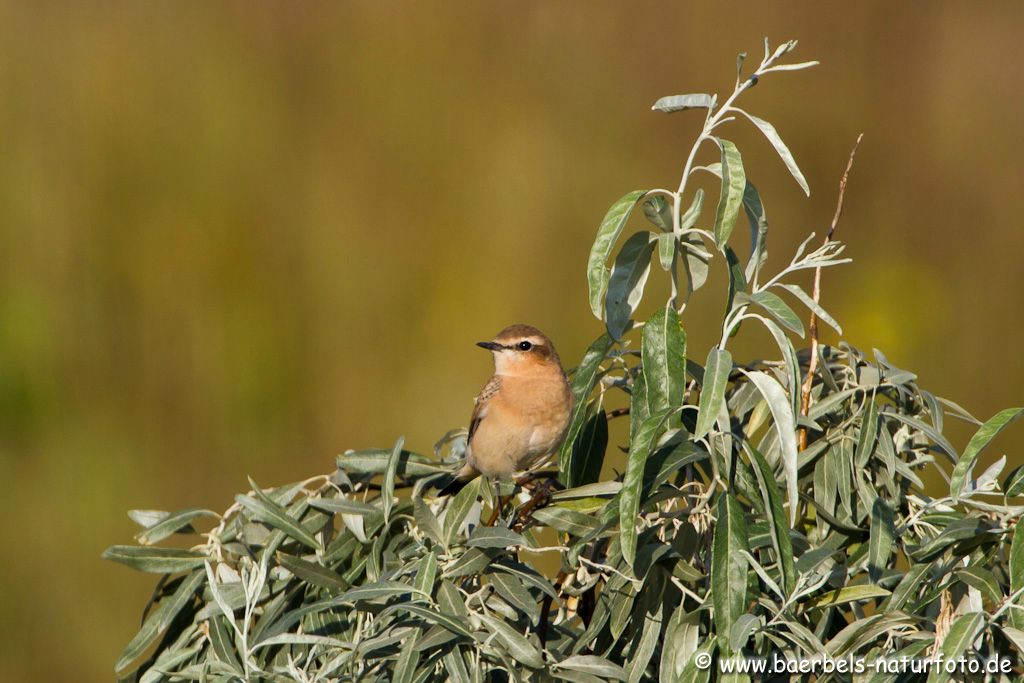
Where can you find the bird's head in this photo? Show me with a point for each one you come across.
(521, 348)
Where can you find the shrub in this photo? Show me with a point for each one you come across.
(764, 507)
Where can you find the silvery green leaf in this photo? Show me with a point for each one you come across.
(312, 572)
(868, 433)
(603, 488)
(408, 658)
(568, 521)
(459, 508)
(375, 591)
(159, 620)
(846, 594)
(375, 461)
(455, 665)
(663, 352)
(444, 617)
(731, 197)
(494, 537)
(728, 567)
(981, 438)
(147, 518)
(344, 505)
(1015, 636)
(630, 496)
(519, 647)
(645, 647)
(1016, 616)
(883, 533)
(983, 580)
(695, 261)
(266, 510)
(587, 455)
(607, 235)
(814, 306)
(1013, 485)
(741, 631)
(658, 212)
(583, 380)
(989, 476)
(906, 590)
(958, 641)
(153, 559)
(690, 216)
(780, 147)
(793, 67)
(591, 664)
(426, 573)
(169, 523)
(779, 310)
(712, 394)
(628, 277)
(785, 427)
(426, 520)
(515, 593)
(666, 250)
(387, 493)
(758, 220)
(789, 358)
(772, 497)
(673, 103)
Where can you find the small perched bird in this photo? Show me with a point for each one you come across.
(522, 414)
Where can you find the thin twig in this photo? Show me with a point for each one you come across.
(805, 399)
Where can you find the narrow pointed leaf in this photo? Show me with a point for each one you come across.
(588, 451)
(628, 279)
(731, 197)
(728, 568)
(273, 514)
(607, 234)
(712, 394)
(779, 310)
(777, 520)
(780, 147)
(583, 381)
(519, 647)
(663, 352)
(883, 533)
(673, 103)
(957, 642)
(785, 426)
(631, 493)
(171, 524)
(387, 493)
(985, 434)
(159, 620)
(155, 560)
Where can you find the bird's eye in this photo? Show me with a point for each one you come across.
(524, 346)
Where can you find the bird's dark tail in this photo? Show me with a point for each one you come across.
(452, 487)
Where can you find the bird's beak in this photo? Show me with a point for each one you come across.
(490, 346)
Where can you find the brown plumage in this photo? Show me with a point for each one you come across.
(521, 415)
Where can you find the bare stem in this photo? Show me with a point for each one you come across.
(805, 398)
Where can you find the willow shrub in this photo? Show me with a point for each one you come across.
(722, 537)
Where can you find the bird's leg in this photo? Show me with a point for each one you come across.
(538, 500)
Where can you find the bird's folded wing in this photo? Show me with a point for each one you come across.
(480, 405)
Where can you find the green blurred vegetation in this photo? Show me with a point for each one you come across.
(240, 238)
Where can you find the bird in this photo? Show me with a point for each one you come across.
(521, 416)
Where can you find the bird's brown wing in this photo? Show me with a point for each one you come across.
(480, 405)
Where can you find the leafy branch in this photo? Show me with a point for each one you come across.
(753, 510)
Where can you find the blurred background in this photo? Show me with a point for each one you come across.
(239, 238)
